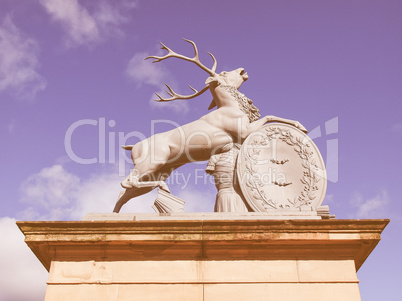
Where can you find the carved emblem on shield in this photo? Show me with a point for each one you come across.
(280, 168)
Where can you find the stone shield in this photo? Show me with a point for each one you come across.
(280, 168)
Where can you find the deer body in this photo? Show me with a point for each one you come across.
(156, 157)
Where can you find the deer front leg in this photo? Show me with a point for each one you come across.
(258, 124)
(127, 194)
(296, 124)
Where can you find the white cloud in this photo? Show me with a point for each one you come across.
(79, 25)
(144, 71)
(99, 194)
(52, 189)
(23, 276)
(109, 18)
(198, 201)
(56, 194)
(85, 27)
(374, 207)
(18, 62)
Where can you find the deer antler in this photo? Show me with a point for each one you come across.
(194, 60)
(178, 96)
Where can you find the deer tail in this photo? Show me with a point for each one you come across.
(127, 147)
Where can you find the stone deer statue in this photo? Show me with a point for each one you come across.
(234, 119)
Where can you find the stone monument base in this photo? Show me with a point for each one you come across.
(203, 259)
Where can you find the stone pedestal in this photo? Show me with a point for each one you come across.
(204, 259)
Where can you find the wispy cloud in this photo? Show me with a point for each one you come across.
(373, 207)
(52, 190)
(84, 26)
(143, 71)
(56, 194)
(19, 62)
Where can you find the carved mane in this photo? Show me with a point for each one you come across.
(245, 103)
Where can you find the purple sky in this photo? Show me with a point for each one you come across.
(335, 66)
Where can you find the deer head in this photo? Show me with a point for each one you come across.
(232, 78)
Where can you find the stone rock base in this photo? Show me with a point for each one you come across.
(312, 260)
(312, 280)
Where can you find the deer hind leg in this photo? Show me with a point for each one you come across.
(128, 194)
(146, 172)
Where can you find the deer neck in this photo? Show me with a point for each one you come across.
(224, 95)
(228, 95)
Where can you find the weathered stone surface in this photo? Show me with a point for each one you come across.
(201, 216)
(191, 271)
(294, 292)
(138, 292)
(202, 240)
(204, 259)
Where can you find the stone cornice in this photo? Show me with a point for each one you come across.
(166, 239)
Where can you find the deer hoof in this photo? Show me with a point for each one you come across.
(300, 127)
(126, 184)
(164, 186)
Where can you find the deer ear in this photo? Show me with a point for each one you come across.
(212, 105)
(212, 79)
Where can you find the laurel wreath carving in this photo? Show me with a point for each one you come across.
(309, 178)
